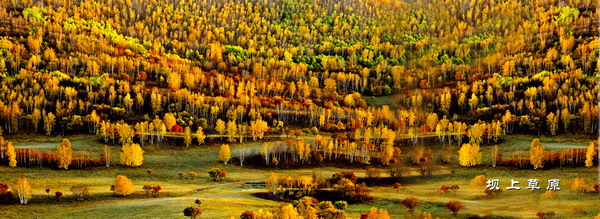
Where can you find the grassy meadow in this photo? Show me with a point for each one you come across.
(229, 197)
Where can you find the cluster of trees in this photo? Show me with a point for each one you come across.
(306, 62)
(538, 156)
(22, 190)
(343, 186)
(305, 207)
(64, 156)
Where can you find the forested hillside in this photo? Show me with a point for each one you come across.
(530, 64)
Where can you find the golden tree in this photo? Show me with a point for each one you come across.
(220, 127)
(578, 185)
(537, 153)
(49, 123)
(126, 133)
(200, 135)
(590, 153)
(64, 154)
(469, 155)
(169, 120)
(552, 123)
(287, 211)
(187, 136)
(123, 186)
(224, 153)
(23, 189)
(132, 155)
(12, 156)
(231, 129)
(272, 182)
(375, 213)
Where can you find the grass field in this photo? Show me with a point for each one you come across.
(229, 198)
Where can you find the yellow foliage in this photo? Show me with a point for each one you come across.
(374, 213)
(200, 135)
(590, 153)
(132, 155)
(123, 186)
(220, 126)
(22, 188)
(550, 194)
(578, 185)
(187, 136)
(478, 182)
(12, 156)
(469, 155)
(537, 154)
(169, 120)
(64, 154)
(224, 153)
(272, 182)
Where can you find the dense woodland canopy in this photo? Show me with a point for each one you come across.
(515, 66)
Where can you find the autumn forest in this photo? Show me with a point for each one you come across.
(269, 109)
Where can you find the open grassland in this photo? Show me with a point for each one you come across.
(229, 197)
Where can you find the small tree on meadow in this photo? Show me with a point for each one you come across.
(454, 206)
(537, 153)
(80, 192)
(590, 153)
(64, 154)
(192, 212)
(58, 196)
(123, 186)
(23, 189)
(411, 203)
(224, 153)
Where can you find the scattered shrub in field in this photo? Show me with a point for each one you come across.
(216, 173)
(411, 203)
(155, 190)
(454, 206)
(575, 209)
(5, 195)
(549, 195)
(193, 175)
(491, 193)
(397, 186)
(340, 205)
(192, 212)
(123, 186)
(453, 188)
(578, 185)
(477, 182)
(395, 171)
(373, 173)
(375, 213)
(444, 189)
(58, 196)
(148, 189)
(80, 192)
(150, 172)
(547, 214)
(348, 175)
